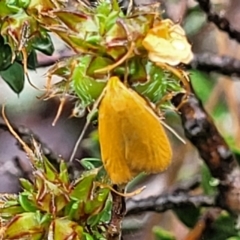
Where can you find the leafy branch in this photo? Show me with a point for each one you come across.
(221, 22)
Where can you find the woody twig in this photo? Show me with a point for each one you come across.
(203, 134)
(221, 22)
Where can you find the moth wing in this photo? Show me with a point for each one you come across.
(131, 137)
(147, 147)
(111, 138)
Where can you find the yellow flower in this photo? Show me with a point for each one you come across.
(167, 43)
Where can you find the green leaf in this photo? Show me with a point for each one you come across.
(87, 88)
(98, 236)
(87, 236)
(44, 219)
(44, 44)
(63, 175)
(71, 17)
(234, 238)
(11, 211)
(73, 210)
(26, 203)
(83, 187)
(101, 174)
(95, 206)
(159, 84)
(7, 8)
(91, 163)
(23, 225)
(161, 234)
(50, 171)
(209, 184)
(201, 84)
(222, 229)
(94, 220)
(23, 3)
(191, 217)
(5, 54)
(64, 229)
(26, 185)
(14, 77)
(32, 60)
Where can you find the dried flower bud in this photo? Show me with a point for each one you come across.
(167, 43)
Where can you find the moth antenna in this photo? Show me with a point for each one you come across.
(26, 148)
(119, 62)
(173, 132)
(131, 194)
(88, 121)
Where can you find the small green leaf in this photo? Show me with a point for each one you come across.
(87, 88)
(23, 225)
(234, 238)
(44, 44)
(221, 229)
(23, 3)
(95, 206)
(72, 210)
(161, 234)
(91, 163)
(87, 236)
(66, 229)
(6, 9)
(208, 182)
(70, 18)
(26, 185)
(32, 60)
(189, 219)
(106, 213)
(63, 175)
(82, 188)
(44, 219)
(14, 77)
(11, 211)
(201, 84)
(26, 203)
(94, 220)
(49, 170)
(5, 54)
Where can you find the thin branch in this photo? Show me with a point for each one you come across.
(213, 62)
(177, 196)
(46, 61)
(27, 136)
(201, 131)
(168, 201)
(221, 22)
(204, 61)
(118, 213)
(26, 148)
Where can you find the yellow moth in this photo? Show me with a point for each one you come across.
(132, 139)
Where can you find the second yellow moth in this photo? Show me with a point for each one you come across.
(132, 139)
